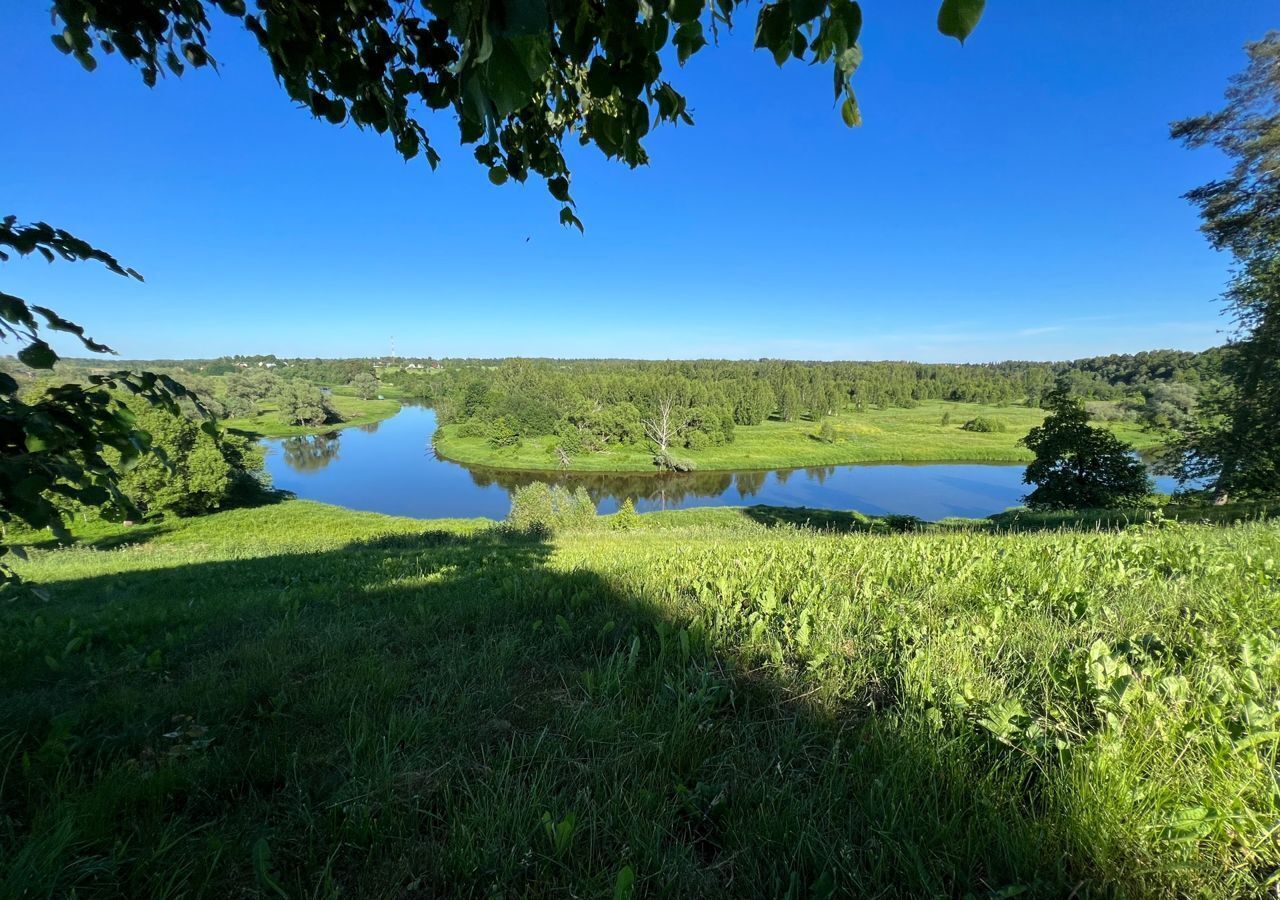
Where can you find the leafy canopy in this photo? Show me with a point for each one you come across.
(1078, 466)
(521, 76)
(1235, 440)
(365, 386)
(54, 446)
(302, 403)
(189, 472)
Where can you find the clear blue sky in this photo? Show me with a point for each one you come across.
(1014, 198)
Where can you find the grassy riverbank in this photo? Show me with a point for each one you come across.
(877, 435)
(298, 700)
(353, 411)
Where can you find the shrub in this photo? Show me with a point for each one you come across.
(503, 434)
(198, 472)
(983, 425)
(946, 419)
(626, 518)
(903, 524)
(669, 463)
(539, 508)
(827, 433)
(472, 428)
(567, 446)
(1106, 411)
(570, 438)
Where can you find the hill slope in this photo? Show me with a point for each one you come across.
(321, 701)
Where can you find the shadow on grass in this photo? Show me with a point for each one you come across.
(1112, 519)
(100, 534)
(832, 520)
(444, 715)
(1014, 520)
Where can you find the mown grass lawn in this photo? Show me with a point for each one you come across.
(876, 435)
(302, 701)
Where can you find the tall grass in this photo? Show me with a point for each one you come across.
(302, 701)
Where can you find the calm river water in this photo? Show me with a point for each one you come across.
(390, 468)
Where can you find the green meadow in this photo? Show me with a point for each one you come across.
(352, 410)
(893, 434)
(301, 701)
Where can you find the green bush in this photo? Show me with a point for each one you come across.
(503, 434)
(697, 440)
(188, 472)
(827, 433)
(626, 518)
(669, 463)
(903, 524)
(946, 419)
(569, 438)
(472, 428)
(542, 508)
(983, 425)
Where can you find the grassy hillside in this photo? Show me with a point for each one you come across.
(303, 701)
(877, 435)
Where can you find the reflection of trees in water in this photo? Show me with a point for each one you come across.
(660, 490)
(310, 452)
(820, 473)
(370, 427)
(750, 483)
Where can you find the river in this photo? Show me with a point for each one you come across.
(390, 467)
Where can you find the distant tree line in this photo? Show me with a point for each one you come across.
(590, 405)
(673, 406)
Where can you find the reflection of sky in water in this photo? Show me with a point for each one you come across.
(392, 469)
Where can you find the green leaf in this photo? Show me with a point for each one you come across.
(38, 355)
(774, 30)
(624, 884)
(958, 18)
(261, 868)
(599, 78)
(559, 188)
(807, 10)
(847, 61)
(525, 18)
(498, 175)
(514, 69)
(689, 39)
(850, 113)
(568, 218)
(14, 310)
(686, 10)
